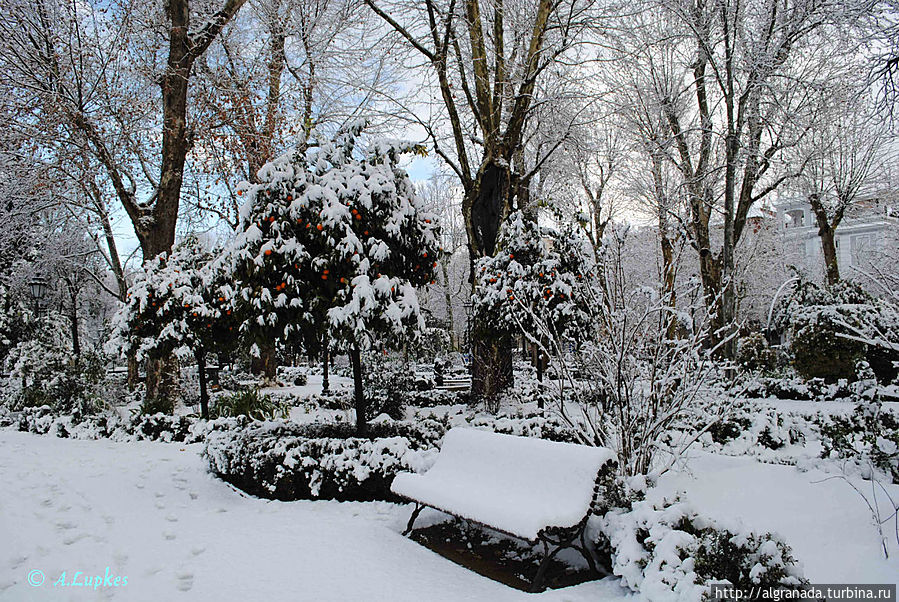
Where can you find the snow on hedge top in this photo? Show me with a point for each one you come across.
(519, 485)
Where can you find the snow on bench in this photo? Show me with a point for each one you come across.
(529, 488)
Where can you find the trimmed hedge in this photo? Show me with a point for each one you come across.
(287, 461)
(146, 427)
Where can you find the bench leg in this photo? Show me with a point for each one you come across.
(541, 572)
(415, 513)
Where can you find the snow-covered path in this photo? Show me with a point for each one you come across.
(151, 513)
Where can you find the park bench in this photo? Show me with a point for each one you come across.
(457, 383)
(527, 488)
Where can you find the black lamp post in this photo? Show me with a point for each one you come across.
(38, 287)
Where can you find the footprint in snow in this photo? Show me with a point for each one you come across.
(171, 518)
(65, 525)
(197, 550)
(185, 581)
(17, 561)
(74, 539)
(168, 535)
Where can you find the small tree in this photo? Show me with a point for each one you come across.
(533, 286)
(182, 304)
(333, 242)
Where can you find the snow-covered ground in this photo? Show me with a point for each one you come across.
(152, 513)
(820, 516)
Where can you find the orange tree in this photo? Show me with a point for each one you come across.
(332, 244)
(181, 304)
(537, 285)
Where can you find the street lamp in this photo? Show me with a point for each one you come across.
(38, 288)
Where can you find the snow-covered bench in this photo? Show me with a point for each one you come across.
(532, 489)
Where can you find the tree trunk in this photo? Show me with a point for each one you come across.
(361, 420)
(829, 248)
(162, 382)
(827, 234)
(266, 365)
(491, 368)
(668, 293)
(133, 370)
(76, 340)
(488, 205)
(204, 395)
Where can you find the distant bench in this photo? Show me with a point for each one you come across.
(531, 489)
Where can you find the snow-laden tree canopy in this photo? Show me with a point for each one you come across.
(180, 304)
(535, 282)
(333, 241)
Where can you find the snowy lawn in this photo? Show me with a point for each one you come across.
(826, 523)
(151, 512)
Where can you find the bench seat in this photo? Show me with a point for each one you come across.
(517, 485)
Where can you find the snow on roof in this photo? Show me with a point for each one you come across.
(519, 485)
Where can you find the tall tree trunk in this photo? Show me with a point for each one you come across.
(484, 212)
(361, 409)
(163, 382)
(73, 318)
(668, 293)
(157, 235)
(204, 395)
(827, 234)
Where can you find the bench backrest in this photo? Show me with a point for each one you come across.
(542, 483)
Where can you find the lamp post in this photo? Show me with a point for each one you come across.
(38, 287)
(468, 305)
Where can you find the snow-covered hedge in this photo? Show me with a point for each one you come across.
(665, 550)
(109, 425)
(287, 461)
(814, 389)
(534, 425)
(749, 425)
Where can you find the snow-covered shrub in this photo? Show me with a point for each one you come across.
(389, 382)
(755, 354)
(664, 550)
(829, 327)
(814, 389)
(637, 381)
(535, 425)
(436, 397)
(248, 403)
(43, 373)
(869, 436)
(288, 461)
(150, 427)
(295, 375)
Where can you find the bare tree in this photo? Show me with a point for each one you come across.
(487, 59)
(64, 58)
(846, 154)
